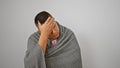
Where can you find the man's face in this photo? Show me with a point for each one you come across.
(55, 33)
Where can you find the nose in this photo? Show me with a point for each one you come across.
(52, 32)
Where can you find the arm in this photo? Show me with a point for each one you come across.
(34, 57)
(42, 42)
(45, 30)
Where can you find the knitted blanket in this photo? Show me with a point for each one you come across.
(65, 53)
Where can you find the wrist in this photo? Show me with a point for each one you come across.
(44, 36)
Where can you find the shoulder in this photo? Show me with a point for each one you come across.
(67, 30)
(64, 29)
(34, 36)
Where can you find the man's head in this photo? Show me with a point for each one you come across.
(41, 18)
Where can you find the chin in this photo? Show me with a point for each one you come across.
(53, 38)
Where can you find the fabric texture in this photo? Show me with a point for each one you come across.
(64, 54)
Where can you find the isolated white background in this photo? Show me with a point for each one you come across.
(96, 24)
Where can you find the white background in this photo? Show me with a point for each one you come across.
(96, 24)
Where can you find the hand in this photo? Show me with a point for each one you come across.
(47, 27)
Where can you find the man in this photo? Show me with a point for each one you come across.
(52, 46)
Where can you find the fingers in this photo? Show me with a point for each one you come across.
(48, 19)
(53, 25)
(50, 23)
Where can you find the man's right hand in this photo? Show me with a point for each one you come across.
(47, 27)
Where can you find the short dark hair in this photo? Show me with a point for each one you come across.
(42, 17)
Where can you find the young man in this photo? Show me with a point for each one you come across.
(52, 46)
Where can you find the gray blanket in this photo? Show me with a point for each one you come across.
(65, 54)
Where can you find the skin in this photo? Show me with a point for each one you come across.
(48, 30)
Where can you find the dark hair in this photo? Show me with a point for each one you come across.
(42, 17)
